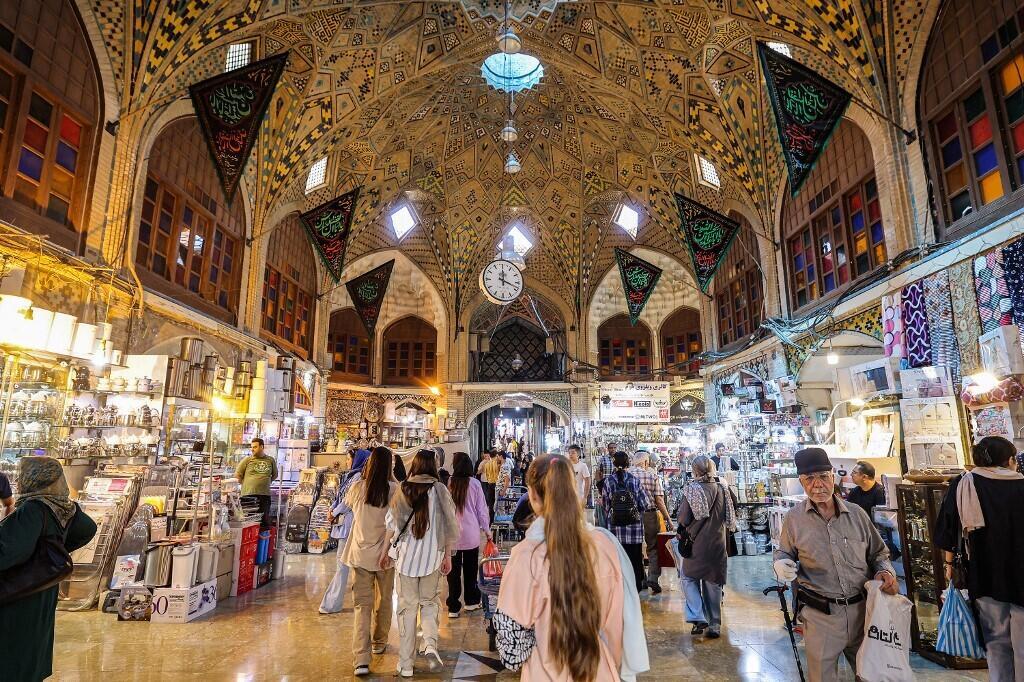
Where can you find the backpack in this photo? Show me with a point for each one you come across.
(624, 510)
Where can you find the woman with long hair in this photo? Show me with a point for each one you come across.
(422, 534)
(367, 500)
(471, 513)
(624, 501)
(568, 607)
(340, 518)
(43, 509)
(980, 520)
(706, 512)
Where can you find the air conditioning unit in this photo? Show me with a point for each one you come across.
(876, 377)
(1001, 351)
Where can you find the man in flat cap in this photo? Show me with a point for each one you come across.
(830, 549)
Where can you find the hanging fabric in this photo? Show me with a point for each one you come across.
(994, 307)
(367, 293)
(638, 281)
(942, 337)
(1013, 273)
(966, 322)
(807, 109)
(328, 226)
(708, 236)
(915, 320)
(894, 336)
(230, 107)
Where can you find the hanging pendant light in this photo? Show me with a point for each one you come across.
(509, 132)
(508, 41)
(512, 165)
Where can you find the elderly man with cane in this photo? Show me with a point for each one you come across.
(830, 549)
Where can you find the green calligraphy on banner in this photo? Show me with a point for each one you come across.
(708, 236)
(807, 109)
(367, 293)
(328, 226)
(230, 107)
(638, 281)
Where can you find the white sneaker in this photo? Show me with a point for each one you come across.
(452, 614)
(431, 651)
(474, 607)
(378, 649)
(405, 672)
(362, 670)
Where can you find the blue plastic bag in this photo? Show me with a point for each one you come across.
(958, 633)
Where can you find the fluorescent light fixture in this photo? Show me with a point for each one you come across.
(317, 175)
(628, 218)
(402, 221)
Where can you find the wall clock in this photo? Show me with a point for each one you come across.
(501, 281)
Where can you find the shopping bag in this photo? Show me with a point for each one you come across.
(958, 632)
(490, 550)
(884, 656)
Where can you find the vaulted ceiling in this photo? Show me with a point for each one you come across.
(392, 91)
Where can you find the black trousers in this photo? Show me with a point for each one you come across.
(264, 501)
(635, 552)
(490, 490)
(464, 572)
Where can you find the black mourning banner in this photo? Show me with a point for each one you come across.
(328, 226)
(709, 235)
(367, 293)
(638, 281)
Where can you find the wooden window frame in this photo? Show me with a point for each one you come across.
(296, 335)
(349, 350)
(629, 365)
(739, 289)
(408, 361)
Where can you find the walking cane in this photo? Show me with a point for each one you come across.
(781, 589)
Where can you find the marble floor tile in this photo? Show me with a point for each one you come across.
(276, 635)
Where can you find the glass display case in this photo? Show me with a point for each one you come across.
(922, 561)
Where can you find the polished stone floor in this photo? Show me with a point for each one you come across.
(277, 634)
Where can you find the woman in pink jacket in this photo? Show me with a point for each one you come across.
(474, 519)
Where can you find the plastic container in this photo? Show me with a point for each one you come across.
(184, 565)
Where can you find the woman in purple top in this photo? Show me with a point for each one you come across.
(474, 519)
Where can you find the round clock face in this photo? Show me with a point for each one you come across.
(501, 281)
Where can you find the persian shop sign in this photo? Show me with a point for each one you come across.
(635, 401)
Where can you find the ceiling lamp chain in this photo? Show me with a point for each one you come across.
(509, 43)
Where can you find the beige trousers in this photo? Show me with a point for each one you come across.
(829, 636)
(422, 596)
(371, 597)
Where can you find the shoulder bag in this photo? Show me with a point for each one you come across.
(685, 539)
(393, 549)
(48, 565)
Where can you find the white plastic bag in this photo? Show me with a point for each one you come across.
(884, 656)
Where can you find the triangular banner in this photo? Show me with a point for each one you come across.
(638, 281)
(328, 226)
(807, 109)
(367, 293)
(708, 235)
(230, 107)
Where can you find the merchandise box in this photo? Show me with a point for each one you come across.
(869, 378)
(183, 605)
(926, 382)
(997, 419)
(1001, 351)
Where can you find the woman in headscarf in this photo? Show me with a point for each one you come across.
(707, 513)
(42, 508)
(335, 594)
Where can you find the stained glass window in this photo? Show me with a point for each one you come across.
(512, 72)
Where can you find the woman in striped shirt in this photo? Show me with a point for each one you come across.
(423, 533)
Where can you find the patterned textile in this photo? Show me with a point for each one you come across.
(1013, 273)
(892, 327)
(709, 235)
(42, 479)
(328, 227)
(638, 281)
(915, 320)
(514, 642)
(966, 322)
(942, 338)
(994, 307)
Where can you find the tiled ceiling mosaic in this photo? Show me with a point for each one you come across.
(392, 93)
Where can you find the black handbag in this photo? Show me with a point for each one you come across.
(685, 539)
(48, 565)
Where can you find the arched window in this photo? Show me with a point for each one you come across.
(410, 353)
(190, 239)
(833, 228)
(289, 286)
(349, 347)
(972, 105)
(49, 109)
(681, 340)
(739, 287)
(622, 349)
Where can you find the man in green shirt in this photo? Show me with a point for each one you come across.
(255, 473)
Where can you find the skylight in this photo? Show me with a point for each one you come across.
(708, 173)
(239, 55)
(628, 218)
(521, 243)
(781, 48)
(512, 72)
(402, 221)
(317, 175)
